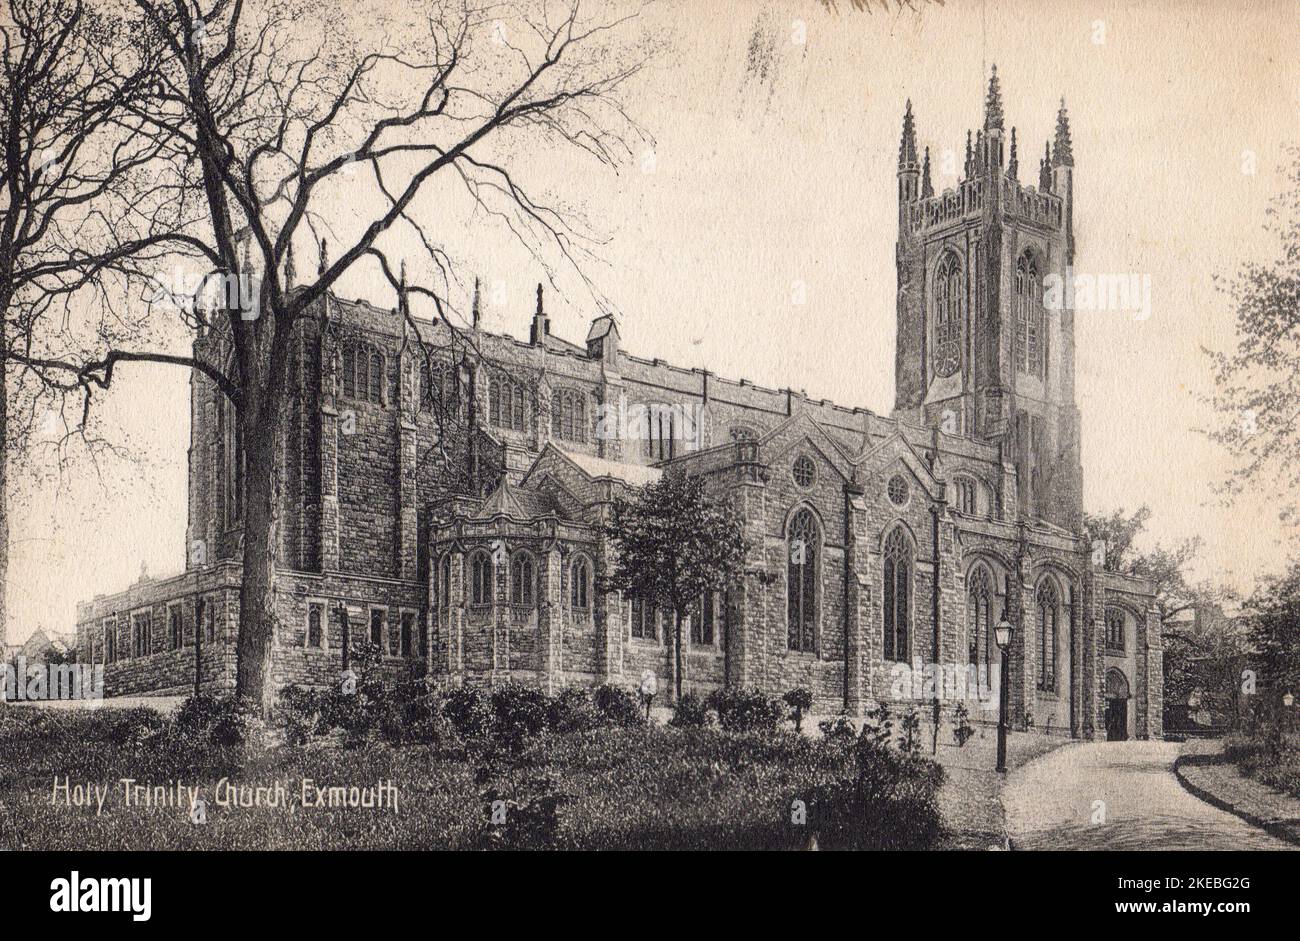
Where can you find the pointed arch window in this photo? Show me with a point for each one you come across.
(897, 595)
(1049, 622)
(580, 591)
(569, 416)
(523, 576)
(949, 310)
(480, 579)
(364, 372)
(1115, 630)
(979, 610)
(803, 556)
(1029, 317)
(507, 403)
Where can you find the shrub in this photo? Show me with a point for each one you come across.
(747, 710)
(890, 802)
(800, 699)
(962, 730)
(470, 712)
(879, 724)
(691, 713)
(911, 727)
(525, 815)
(617, 706)
(519, 713)
(134, 727)
(573, 711)
(298, 714)
(841, 728)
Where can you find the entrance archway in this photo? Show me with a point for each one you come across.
(1117, 697)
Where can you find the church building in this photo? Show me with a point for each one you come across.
(446, 491)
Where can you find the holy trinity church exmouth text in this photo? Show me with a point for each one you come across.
(913, 534)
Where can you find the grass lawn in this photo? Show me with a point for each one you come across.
(640, 788)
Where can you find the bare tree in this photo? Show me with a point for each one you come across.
(280, 115)
(77, 208)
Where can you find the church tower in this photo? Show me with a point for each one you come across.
(984, 349)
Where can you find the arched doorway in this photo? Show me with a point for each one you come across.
(1117, 696)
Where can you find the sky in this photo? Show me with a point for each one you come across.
(751, 230)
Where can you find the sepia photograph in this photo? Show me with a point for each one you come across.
(566, 426)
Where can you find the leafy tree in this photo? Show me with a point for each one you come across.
(1257, 391)
(674, 544)
(1272, 615)
(1166, 568)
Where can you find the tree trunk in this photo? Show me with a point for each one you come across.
(4, 482)
(677, 657)
(257, 618)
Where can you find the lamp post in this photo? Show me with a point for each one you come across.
(1002, 634)
(1287, 700)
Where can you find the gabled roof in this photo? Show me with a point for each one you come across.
(897, 447)
(601, 327)
(634, 475)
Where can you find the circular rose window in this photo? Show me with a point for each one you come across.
(898, 490)
(805, 472)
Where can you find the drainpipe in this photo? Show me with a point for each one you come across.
(934, 739)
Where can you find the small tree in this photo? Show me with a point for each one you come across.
(673, 545)
(799, 699)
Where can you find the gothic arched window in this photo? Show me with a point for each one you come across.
(1049, 622)
(580, 594)
(1115, 629)
(522, 579)
(979, 609)
(507, 403)
(1029, 317)
(948, 310)
(803, 550)
(363, 372)
(444, 581)
(966, 501)
(569, 416)
(897, 594)
(480, 579)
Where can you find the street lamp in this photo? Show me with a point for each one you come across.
(1287, 700)
(1002, 634)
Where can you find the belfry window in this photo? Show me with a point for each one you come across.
(949, 307)
(1029, 318)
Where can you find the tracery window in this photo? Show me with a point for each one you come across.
(480, 579)
(363, 372)
(979, 609)
(507, 403)
(949, 306)
(1049, 619)
(523, 575)
(897, 595)
(569, 415)
(1029, 318)
(803, 550)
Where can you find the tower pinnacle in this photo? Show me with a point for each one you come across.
(993, 104)
(927, 190)
(1064, 156)
(1013, 166)
(907, 146)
